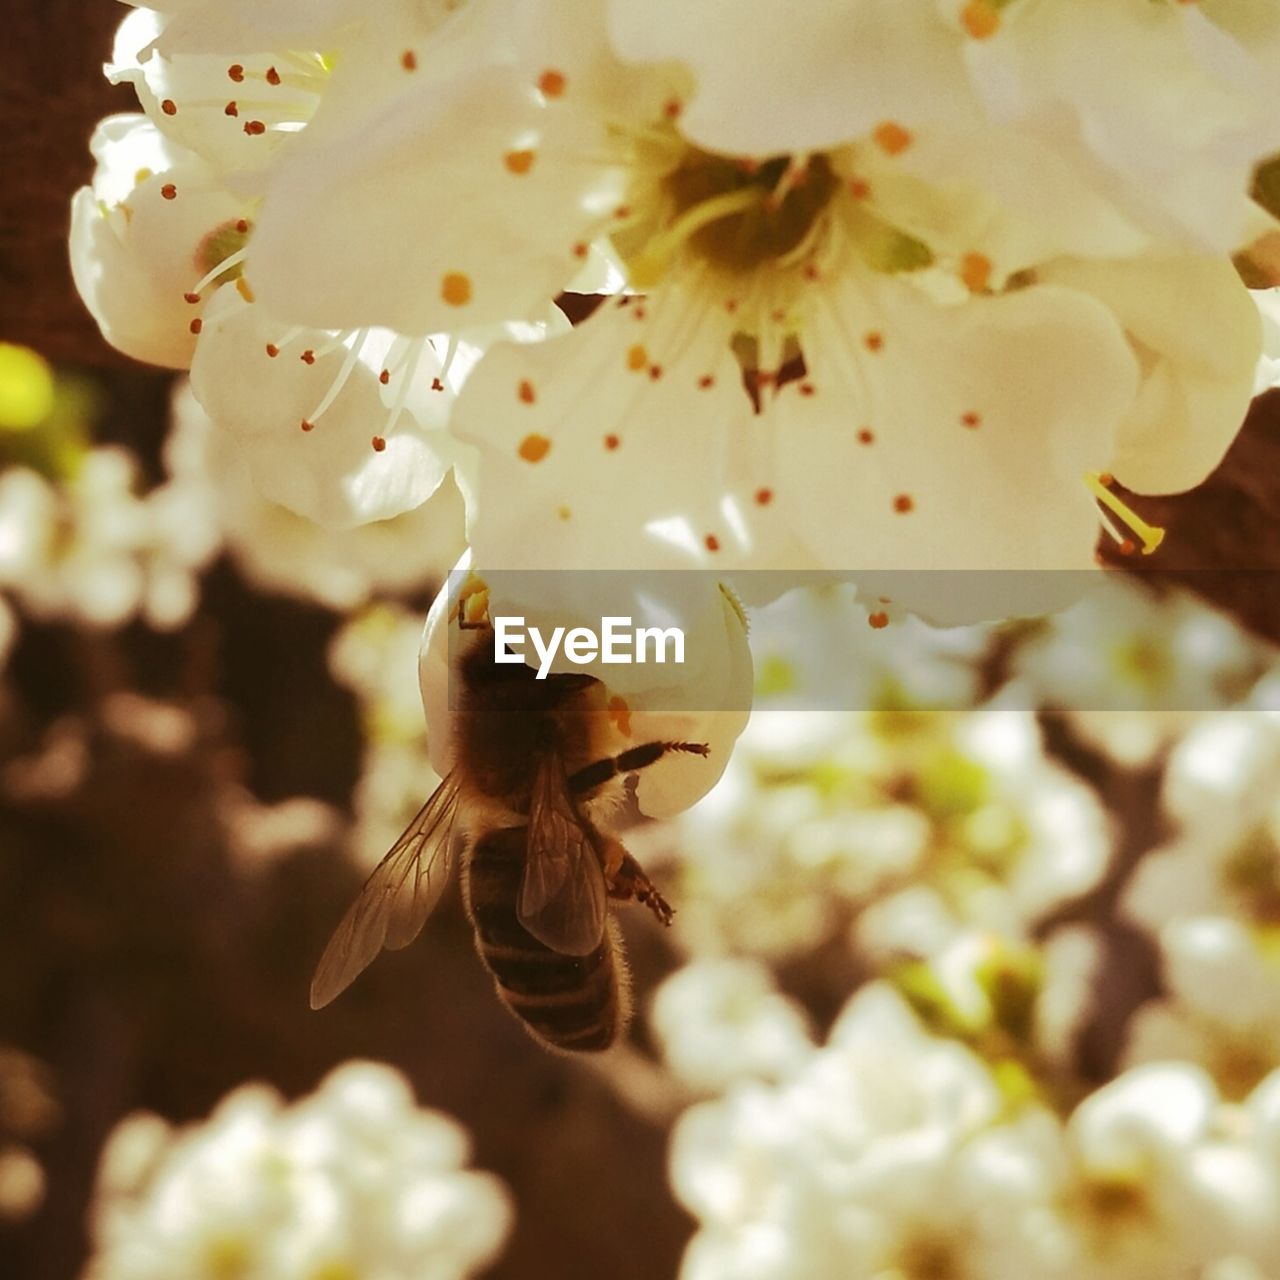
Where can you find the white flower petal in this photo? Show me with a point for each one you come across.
(590, 442)
(424, 227)
(1268, 371)
(229, 27)
(1199, 339)
(770, 80)
(937, 439)
(467, 196)
(334, 473)
(1151, 1110)
(187, 97)
(1174, 112)
(1000, 192)
(137, 236)
(290, 555)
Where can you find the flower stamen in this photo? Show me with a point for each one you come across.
(335, 387)
(1151, 536)
(647, 269)
(793, 175)
(413, 356)
(227, 266)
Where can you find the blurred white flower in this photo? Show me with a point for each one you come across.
(78, 539)
(1161, 1182)
(22, 1183)
(913, 825)
(375, 655)
(258, 834)
(1223, 774)
(88, 548)
(1017, 1005)
(1221, 974)
(858, 1165)
(1226, 862)
(354, 1180)
(1133, 669)
(826, 647)
(720, 1021)
(893, 1153)
(1211, 899)
(1013, 835)
(1071, 976)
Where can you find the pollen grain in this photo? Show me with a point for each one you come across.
(534, 447)
(455, 289)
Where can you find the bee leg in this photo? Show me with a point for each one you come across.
(594, 775)
(628, 883)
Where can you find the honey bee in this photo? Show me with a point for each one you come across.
(538, 872)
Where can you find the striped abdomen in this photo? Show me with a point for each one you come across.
(577, 1003)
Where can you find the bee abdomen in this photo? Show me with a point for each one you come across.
(576, 1003)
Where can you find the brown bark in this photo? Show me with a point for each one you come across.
(52, 93)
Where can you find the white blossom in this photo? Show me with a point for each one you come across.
(289, 554)
(855, 1165)
(912, 825)
(353, 1180)
(830, 647)
(1133, 670)
(953, 204)
(890, 1152)
(719, 1021)
(88, 548)
(341, 426)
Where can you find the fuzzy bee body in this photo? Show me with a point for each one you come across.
(538, 873)
(574, 1003)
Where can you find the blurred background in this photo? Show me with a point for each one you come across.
(210, 732)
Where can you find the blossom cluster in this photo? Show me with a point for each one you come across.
(1208, 897)
(905, 828)
(891, 1151)
(957, 1120)
(79, 539)
(354, 1180)
(894, 286)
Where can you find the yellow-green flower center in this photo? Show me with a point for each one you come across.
(226, 240)
(770, 207)
(736, 215)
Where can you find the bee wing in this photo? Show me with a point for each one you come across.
(396, 899)
(563, 897)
